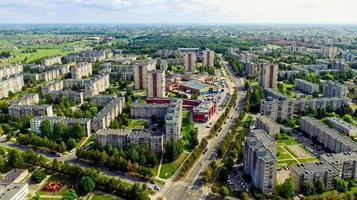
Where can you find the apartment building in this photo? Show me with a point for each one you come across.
(11, 84)
(208, 58)
(156, 83)
(334, 89)
(73, 84)
(190, 62)
(146, 111)
(27, 105)
(329, 138)
(343, 127)
(104, 117)
(267, 124)
(274, 94)
(140, 136)
(97, 84)
(11, 70)
(51, 87)
(51, 61)
(312, 172)
(115, 137)
(306, 86)
(102, 100)
(141, 69)
(268, 75)
(77, 97)
(12, 186)
(36, 122)
(251, 68)
(125, 72)
(173, 120)
(259, 160)
(345, 162)
(285, 109)
(83, 69)
(86, 56)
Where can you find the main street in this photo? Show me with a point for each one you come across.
(191, 187)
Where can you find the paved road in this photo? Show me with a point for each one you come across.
(192, 186)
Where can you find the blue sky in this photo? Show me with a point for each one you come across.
(178, 11)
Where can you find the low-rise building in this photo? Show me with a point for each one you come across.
(345, 162)
(204, 111)
(267, 124)
(342, 126)
(306, 86)
(274, 94)
(329, 138)
(313, 172)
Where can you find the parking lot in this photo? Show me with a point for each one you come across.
(236, 181)
(315, 150)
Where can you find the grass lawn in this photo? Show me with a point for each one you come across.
(187, 125)
(282, 154)
(336, 194)
(102, 197)
(168, 169)
(155, 169)
(286, 141)
(283, 163)
(140, 93)
(132, 123)
(248, 121)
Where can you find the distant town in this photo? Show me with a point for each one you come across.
(178, 112)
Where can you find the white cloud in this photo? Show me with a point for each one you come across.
(179, 11)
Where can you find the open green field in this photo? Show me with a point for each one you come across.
(186, 128)
(102, 197)
(168, 169)
(290, 152)
(32, 52)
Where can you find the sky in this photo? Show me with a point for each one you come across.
(179, 11)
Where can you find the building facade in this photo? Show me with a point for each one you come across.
(334, 89)
(190, 62)
(306, 86)
(83, 69)
(208, 58)
(268, 75)
(156, 83)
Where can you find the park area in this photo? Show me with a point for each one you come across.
(290, 152)
(168, 169)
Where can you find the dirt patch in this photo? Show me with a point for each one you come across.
(298, 151)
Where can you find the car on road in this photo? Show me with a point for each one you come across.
(201, 163)
(59, 154)
(156, 187)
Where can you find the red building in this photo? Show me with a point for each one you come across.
(204, 111)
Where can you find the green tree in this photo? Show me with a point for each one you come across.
(71, 144)
(308, 188)
(86, 184)
(173, 149)
(244, 196)
(319, 186)
(76, 131)
(224, 191)
(193, 140)
(287, 189)
(340, 184)
(71, 194)
(45, 128)
(38, 176)
(15, 159)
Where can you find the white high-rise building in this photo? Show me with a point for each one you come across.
(140, 73)
(268, 75)
(190, 62)
(208, 58)
(156, 83)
